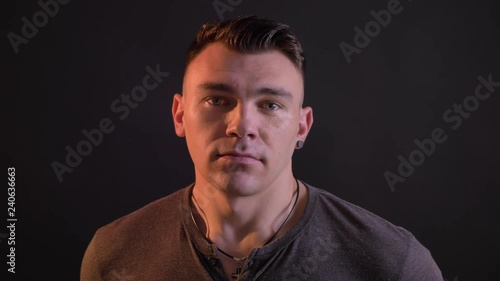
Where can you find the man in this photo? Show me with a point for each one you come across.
(246, 217)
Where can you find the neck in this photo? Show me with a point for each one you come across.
(238, 224)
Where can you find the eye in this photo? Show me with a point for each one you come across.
(272, 106)
(218, 101)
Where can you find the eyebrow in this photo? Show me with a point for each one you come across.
(227, 88)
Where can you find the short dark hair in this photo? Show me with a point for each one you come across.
(250, 34)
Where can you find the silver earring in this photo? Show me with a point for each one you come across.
(300, 144)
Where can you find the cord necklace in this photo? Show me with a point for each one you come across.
(237, 274)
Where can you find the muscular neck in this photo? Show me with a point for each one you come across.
(239, 224)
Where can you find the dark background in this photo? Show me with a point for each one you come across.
(367, 112)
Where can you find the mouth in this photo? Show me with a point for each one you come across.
(239, 157)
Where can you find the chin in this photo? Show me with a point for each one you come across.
(238, 184)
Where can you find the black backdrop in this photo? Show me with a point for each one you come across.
(395, 90)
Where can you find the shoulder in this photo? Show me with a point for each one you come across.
(165, 208)
(362, 234)
(148, 223)
(141, 242)
(352, 218)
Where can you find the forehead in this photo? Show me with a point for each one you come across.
(218, 64)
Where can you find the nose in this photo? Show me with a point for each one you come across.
(242, 122)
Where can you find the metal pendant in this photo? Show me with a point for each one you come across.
(237, 274)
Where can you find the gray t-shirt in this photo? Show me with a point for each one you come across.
(333, 240)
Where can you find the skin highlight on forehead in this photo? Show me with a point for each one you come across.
(228, 88)
(225, 69)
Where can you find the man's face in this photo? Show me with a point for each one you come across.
(241, 115)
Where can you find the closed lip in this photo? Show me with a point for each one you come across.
(237, 154)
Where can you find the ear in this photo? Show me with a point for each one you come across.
(305, 123)
(178, 115)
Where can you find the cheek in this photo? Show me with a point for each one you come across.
(201, 127)
(279, 132)
(201, 117)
